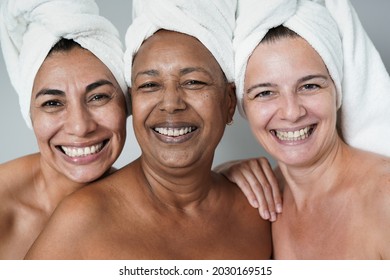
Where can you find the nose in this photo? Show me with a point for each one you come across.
(79, 121)
(291, 108)
(172, 99)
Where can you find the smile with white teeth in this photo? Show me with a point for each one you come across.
(174, 132)
(294, 135)
(82, 152)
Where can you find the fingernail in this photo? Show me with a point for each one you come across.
(255, 204)
(266, 215)
(273, 217)
(278, 208)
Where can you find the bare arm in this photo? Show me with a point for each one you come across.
(257, 181)
(63, 235)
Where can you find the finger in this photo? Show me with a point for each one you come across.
(273, 183)
(264, 190)
(242, 183)
(257, 187)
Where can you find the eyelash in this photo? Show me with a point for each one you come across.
(99, 97)
(310, 86)
(269, 93)
(148, 87)
(263, 93)
(189, 84)
(50, 103)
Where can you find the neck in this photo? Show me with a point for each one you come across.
(181, 188)
(315, 179)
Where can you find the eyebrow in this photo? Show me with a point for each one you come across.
(310, 77)
(259, 85)
(97, 84)
(301, 80)
(188, 70)
(57, 92)
(153, 73)
(183, 71)
(48, 91)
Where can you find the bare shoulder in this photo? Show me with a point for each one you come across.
(381, 198)
(377, 172)
(377, 201)
(252, 228)
(371, 175)
(16, 178)
(380, 174)
(65, 231)
(18, 172)
(18, 206)
(81, 222)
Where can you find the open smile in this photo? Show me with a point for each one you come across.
(294, 135)
(175, 132)
(76, 152)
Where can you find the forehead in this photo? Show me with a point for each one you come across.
(168, 48)
(287, 52)
(76, 64)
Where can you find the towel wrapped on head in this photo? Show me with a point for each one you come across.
(29, 29)
(333, 29)
(211, 22)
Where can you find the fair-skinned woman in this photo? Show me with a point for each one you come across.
(76, 107)
(328, 187)
(291, 85)
(291, 92)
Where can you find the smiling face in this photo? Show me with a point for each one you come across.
(181, 101)
(290, 101)
(78, 115)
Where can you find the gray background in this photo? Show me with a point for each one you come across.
(17, 140)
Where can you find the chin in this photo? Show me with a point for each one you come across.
(85, 178)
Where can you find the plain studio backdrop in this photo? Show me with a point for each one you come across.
(17, 140)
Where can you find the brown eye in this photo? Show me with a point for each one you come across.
(51, 103)
(99, 99)
(264, 94)
(310, 87)
(194, 84)
(149, 87)
(52, 106)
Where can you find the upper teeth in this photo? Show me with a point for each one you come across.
(293, 135)
(173, 131)
(80, 152)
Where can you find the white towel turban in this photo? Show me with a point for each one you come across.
(211, 22)
(333, 29)
(29, 29)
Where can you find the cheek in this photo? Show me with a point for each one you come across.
(114, 119)
(324, 108)
(141, 108)
(212, 105)
(258, 114)
(44, 125)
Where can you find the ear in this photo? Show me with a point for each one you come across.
(231, 101)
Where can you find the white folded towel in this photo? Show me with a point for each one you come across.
(333, 29)
(29, 29)
(365, 114)
(211, 22)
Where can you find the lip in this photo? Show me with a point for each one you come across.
(174, 133)
(294, 136)
(83, 159)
